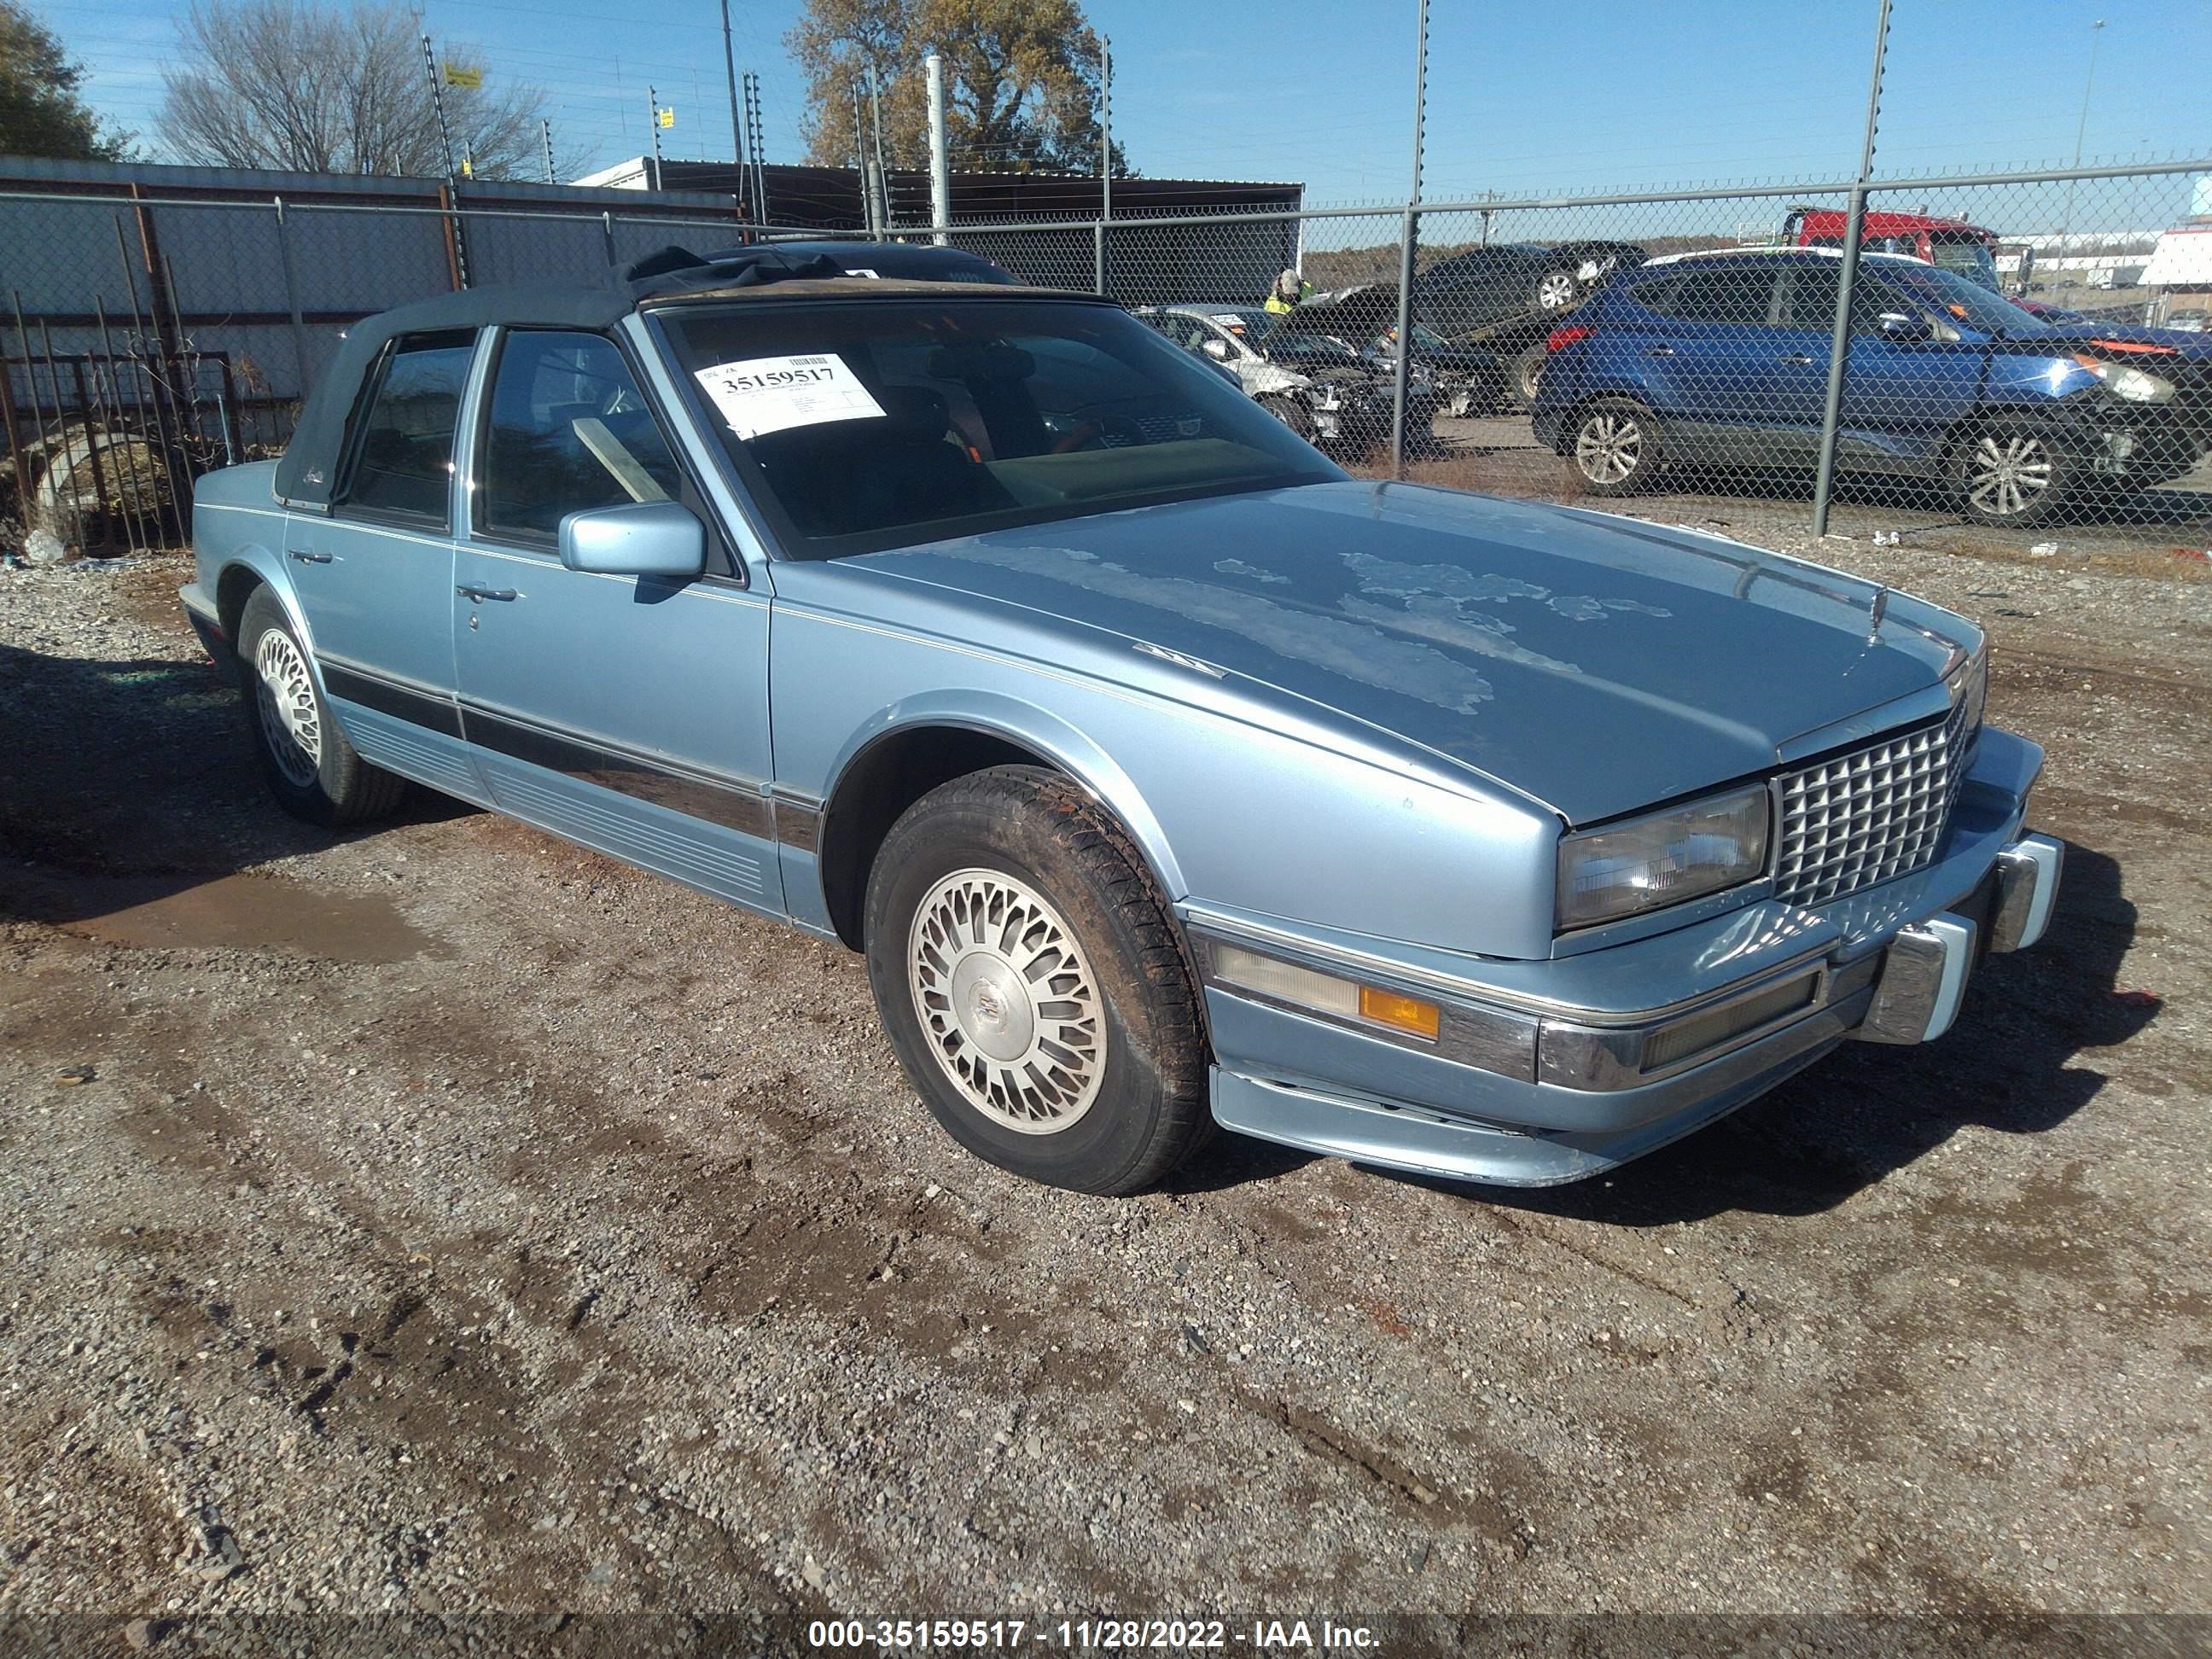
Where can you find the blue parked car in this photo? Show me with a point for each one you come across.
(1166, 775)
(1722, 359)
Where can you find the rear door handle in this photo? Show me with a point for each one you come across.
(1794, 358)
(487, 592)
(310, 558)
(1659, 351)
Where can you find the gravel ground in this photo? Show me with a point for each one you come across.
(441, 1219)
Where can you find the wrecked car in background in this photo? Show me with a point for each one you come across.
(1160, 771)
(1317, 383)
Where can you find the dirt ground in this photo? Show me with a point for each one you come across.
(439, 1218)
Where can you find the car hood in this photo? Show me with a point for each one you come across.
(1595, 662)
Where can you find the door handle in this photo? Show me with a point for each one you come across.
(309, 558)
(1794, 358)
(1659, 351)
(487, 592)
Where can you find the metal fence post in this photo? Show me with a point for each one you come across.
(1839, 339)
(1098, 256)
(1409, 234)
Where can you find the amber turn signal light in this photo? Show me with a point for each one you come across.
(1400, 1013)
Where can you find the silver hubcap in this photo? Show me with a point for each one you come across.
(2008, 475)
(290, 724)
(1609, 447)
(1556, 292)
(1007, 1001)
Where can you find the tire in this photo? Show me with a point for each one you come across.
(309, 766)
(2012, 474)
(1112, 1115)
(1613, 445)
(1527, 373)
(1557, 290)
(1292, 414)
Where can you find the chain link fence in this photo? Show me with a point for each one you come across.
(2024, 354)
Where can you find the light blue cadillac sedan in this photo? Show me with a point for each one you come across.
(1166, 776)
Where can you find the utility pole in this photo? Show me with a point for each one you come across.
(882, 179)
(754, 145)
(2080, 131)
(860, 167)
(940, 168)
(1105, 127)
(736, 128)
(1409, 240)
(546, 128)
(652, 99)
(453, 183)
(1839, 338)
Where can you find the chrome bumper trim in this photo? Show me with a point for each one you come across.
(2027, 890)
(1923, 979)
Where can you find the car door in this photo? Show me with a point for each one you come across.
(374, 575)
(627, 713)
(1902, 393)
(1710, 369)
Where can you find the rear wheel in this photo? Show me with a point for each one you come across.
(1557, 290)
(309, 766)
(1614, 447)
(1033, 984)
(2010, 475)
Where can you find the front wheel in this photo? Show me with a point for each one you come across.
(2011, 476)
(1614, 447)
(1033, 986)
(1292, 414)
(311, 769)
(1529, 374)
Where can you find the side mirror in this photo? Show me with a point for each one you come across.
(1216, 348)
(643, 539)
(1899, 327)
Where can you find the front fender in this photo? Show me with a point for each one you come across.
(1032, 726)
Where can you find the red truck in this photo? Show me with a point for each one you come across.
(1951, 243)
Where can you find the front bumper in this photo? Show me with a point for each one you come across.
(1541, 1073)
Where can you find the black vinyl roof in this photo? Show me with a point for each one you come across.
(308, 469)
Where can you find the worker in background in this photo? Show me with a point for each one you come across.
(1289, 290)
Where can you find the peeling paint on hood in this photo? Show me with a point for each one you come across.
(1597, 664)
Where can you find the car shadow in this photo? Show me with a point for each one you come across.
(2014, 1063)
(125, 782)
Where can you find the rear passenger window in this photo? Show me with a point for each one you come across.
(567, 431)
(404, 456)
(1731, 295)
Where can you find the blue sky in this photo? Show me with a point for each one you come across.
(1609, 94)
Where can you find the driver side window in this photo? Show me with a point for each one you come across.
(566, 430)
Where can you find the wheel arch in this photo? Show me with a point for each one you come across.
(892, 764)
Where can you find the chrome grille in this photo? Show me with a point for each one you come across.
(1867, 817)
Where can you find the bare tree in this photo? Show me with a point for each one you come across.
(269, 83)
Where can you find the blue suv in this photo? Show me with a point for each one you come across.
(1722, 360)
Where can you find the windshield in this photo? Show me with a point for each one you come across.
(1948, 297)
(861, 425)
(1970, 258)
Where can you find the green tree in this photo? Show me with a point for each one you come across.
(1021, 82)
(40, 112)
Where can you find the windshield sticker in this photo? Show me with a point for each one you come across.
(770, 394)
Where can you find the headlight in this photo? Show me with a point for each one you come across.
(2132, 384)
(1969, 692)
(1666, 858)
